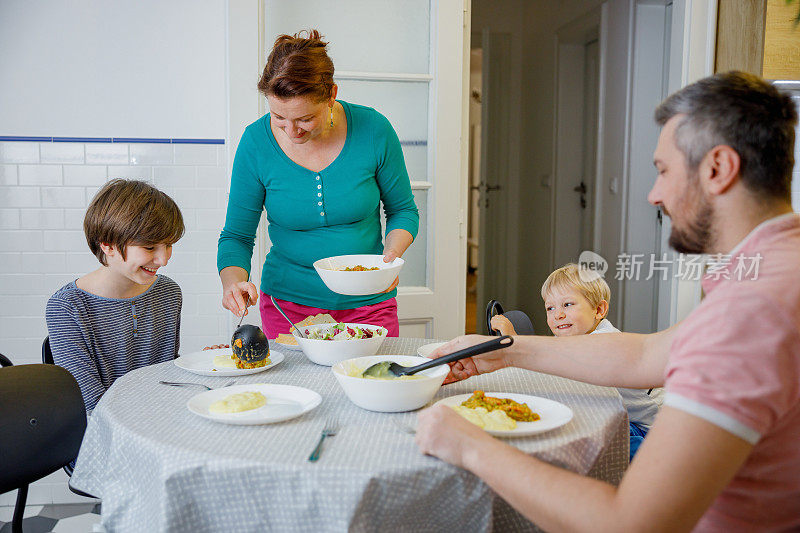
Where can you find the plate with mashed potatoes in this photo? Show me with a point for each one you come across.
(254, 404)
(219, 362)
(523, 415)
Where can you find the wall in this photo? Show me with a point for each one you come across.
(113, 68)
(110, 69)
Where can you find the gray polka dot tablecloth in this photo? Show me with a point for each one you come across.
(159, 467)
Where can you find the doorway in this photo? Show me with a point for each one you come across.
(581, 81)
(574, 195)
(488, 246)
(474, 173)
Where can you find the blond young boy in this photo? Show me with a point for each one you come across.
(577, 303)
(123, 315)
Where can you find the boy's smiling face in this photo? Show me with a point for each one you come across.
(570, 313)
(141, 262)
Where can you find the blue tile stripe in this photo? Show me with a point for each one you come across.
(128, 140)
(141, 140)
(198, 141)
(27, 139)
(81, 139)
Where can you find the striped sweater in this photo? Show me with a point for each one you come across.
(100, 339)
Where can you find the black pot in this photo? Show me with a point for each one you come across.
(250, 344)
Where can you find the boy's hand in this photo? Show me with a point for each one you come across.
(235, 297)
(471, 366)
(503, 325)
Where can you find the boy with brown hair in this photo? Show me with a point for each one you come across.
(124, 315)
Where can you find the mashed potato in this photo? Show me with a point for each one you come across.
(224, 361)
(491, 420)
(236, 403)
(356, 372)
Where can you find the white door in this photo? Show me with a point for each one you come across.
(406, 59)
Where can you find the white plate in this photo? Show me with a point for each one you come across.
(425, 351)
(283, 403)
(553, 414)
(202, 363)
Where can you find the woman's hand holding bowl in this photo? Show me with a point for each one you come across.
(388, 257)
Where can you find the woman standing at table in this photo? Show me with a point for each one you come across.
(321, 168)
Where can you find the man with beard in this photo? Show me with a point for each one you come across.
(724, 452)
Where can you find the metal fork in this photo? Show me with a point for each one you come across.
(186, 384)
(329, 430)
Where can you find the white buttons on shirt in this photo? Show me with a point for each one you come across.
(319, 194)
(319, 203)
(322, 213)
(319, 186)
(317, 178)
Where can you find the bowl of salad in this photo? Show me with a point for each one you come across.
(358, 275)
(327, 344)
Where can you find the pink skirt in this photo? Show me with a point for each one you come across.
(380, 314)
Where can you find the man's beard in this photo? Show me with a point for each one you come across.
(696, 238)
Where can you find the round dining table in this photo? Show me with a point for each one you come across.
(159, 467)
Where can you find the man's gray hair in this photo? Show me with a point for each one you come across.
(744, 112)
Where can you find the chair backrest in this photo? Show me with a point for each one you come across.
(47, 355)
(42, 421)
(5, 361)
(521, 322)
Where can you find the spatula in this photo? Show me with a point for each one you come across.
(390, 369)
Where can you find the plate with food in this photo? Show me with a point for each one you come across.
(505, 414)
(358, 275)
(254, 403)
(221, 362)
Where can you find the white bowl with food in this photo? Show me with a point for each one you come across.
(394, 395)
(328, 344)
(358, 275)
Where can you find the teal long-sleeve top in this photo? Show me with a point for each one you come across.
(313, 215)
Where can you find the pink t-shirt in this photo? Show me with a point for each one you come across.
(735, 362)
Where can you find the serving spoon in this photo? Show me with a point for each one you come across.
(278, 307)
(390, 369)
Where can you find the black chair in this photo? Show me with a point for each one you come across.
(47, 355)
(42, 405)
(5, 361)
(521, 322)
(47, 358)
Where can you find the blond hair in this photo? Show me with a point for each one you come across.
(568, 277)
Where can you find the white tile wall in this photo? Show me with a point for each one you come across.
(44, 190)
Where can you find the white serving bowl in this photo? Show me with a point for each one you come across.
(358, 283)
(331, 352)
(389, 395)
